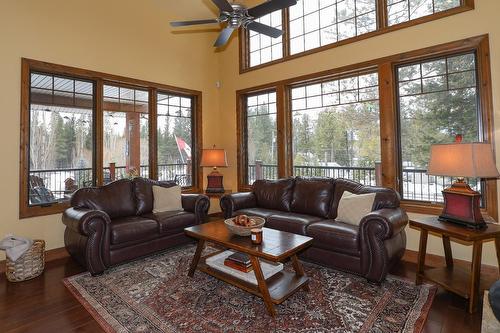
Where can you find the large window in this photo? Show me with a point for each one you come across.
(61, 150)
(81, 128)
(174, 126)
(261, 145)
(125, 133)
(437, 100)
(374, 124)
(264, 48)
(336, 128)
(314, 25)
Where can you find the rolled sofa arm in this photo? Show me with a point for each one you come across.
(383, 241)
(236, 201)
(197, 204)
(85, 236)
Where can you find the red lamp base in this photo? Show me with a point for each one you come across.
(461, 206)
(215, 184)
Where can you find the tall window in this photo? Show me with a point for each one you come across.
(264, 48)
(399, 11)
(314, 23)
(438, 99)
(175, 123)
(61, 150)
(125, 134)
(261, 145)
(336, 128)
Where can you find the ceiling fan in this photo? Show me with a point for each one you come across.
(237, 15)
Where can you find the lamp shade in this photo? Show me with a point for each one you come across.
(474, 160)
(213, 158)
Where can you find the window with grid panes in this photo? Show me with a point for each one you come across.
(261, 136)
(336, 128)
(314, 23)
(437, 99)
(263, 48)
(399, 11)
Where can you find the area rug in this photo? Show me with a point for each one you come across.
(156, 295)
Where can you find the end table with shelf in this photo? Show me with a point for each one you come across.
(465, 283)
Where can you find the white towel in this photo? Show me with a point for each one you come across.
(15, 246)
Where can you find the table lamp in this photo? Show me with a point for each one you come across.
(473, 160)
(214, 158)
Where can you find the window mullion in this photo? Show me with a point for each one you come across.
(99, 133)
(153, 137)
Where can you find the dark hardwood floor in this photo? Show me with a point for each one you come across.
(44, 305)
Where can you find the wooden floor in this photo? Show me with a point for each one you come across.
(44, 305)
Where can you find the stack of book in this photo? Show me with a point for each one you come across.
(239, 261)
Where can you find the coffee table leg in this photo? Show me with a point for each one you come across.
(299, 270)
(263, 286)
(196, 258)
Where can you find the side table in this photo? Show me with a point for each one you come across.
(459, 281)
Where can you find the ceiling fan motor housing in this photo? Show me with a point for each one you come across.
(238, 17)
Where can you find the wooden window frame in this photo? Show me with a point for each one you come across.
(99, 79)
(382, 28)
(389, 139)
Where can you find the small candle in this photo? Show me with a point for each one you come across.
(256, 236)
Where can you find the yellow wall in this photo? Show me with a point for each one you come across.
(484, 19)
(132, 38)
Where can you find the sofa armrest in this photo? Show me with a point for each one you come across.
(382, 240)
(87, 236)
(197, 204)
(384, 223)
(236, 201)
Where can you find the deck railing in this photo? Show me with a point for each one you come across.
(56, 180)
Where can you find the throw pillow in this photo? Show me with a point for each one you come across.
(166, 199)
(353, 207)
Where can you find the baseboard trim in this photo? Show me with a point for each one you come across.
(433, 260)
(50, 255)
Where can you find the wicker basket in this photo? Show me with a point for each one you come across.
(241, 230)
(29, 265)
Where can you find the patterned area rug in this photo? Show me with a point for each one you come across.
(156, 295)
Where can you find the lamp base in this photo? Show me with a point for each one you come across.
(215, 182)
(461, 206)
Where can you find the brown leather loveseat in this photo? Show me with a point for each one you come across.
(114, 223)
(308, 206)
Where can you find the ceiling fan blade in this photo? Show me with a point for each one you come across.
(265, 29)
(223, 5)
(269, 7)
(223, 37)
(194, 22)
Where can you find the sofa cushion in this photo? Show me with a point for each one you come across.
(116, 198)
(353, 207)
(261, 212)
(166, 199)
(291, 222)
(274, 194)
(385, 197)
(335, 236)
(143, 192)
(312, 196)
(173, 222)
(132, 228)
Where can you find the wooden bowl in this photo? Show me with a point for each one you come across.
(241, 230)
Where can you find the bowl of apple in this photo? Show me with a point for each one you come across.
(242, 225)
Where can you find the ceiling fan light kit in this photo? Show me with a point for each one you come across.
(237, 15)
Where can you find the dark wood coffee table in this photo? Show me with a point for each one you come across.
(277, 246)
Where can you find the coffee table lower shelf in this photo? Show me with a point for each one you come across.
(281, 285)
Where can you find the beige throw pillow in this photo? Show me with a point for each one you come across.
(353, 207)
(166, 199)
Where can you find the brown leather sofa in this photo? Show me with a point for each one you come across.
(308, 206)
(114, 223)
